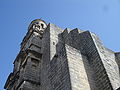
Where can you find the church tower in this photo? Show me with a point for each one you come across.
(27, 65)
(54, 59)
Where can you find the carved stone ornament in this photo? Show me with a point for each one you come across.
(38, 25)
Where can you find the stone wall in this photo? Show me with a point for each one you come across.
(108, 59)
(77, 70)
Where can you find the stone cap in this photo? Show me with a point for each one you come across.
(36, 21)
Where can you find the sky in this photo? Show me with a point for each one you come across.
(99, 16)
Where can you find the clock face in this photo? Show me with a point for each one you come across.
(38, 25)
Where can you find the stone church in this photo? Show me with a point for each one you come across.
(54, 59)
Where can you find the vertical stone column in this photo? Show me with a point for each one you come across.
(108, 59)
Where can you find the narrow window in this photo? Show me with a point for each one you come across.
(35, 63)
(42, 25)
(53, 43)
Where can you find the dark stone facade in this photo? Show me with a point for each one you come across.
(54, 59)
